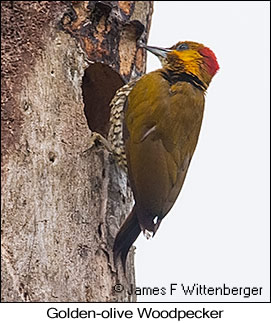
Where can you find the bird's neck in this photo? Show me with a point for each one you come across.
(173, 77)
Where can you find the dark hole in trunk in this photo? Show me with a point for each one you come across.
(99, 85)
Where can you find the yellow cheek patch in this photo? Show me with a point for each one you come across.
(189, 59)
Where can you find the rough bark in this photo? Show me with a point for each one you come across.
(63, 196)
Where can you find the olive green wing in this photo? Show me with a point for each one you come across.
(162, 135)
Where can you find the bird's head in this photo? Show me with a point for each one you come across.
(188, 57)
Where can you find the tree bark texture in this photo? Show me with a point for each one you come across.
(63, 196)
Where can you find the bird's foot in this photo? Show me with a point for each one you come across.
(97, 138)
(147, 234)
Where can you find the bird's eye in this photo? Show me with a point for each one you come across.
(182, 47)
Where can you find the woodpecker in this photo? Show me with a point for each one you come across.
(155, 125)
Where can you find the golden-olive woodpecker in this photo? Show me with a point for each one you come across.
(155, 124)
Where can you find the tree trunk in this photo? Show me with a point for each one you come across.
(63, 196)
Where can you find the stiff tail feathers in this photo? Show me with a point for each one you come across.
(126, 236)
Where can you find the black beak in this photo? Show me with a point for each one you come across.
(158, 51)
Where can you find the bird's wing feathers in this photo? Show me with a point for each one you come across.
(162, 138)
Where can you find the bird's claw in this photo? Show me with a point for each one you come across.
(98, 138)
(147, 234)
